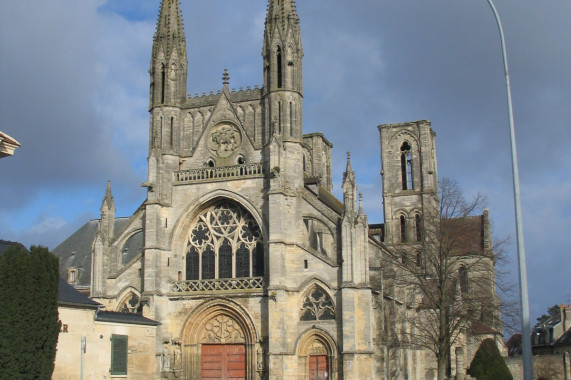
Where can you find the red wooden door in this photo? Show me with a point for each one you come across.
(318, 368)
(223, 361)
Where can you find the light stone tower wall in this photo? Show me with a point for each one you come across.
(410, 177)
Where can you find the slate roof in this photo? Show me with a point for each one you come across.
(69, 296)
(129, 318)
(75, 251)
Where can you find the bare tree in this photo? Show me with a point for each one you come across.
(446, 274)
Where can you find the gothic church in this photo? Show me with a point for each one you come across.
(241, 252)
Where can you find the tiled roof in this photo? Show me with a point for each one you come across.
(480, 328)
(68, 296)
(128, 318)
(466, 235)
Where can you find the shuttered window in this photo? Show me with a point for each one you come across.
(118, 354)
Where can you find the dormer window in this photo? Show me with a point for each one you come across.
(72, 275)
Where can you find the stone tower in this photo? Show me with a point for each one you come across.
(282, 56)
(410, 178)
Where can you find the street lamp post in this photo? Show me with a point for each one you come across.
(525, 331)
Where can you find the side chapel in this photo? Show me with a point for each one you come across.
(241, 252)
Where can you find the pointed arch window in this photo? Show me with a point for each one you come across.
(402, 228)
(317, 305)
(279, 68)
(463, 278)
(418, 225)
(224, 242)
(163, 79)
(406, 166)
(419, 259)
(131, 305)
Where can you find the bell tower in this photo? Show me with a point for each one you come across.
(410, 179)
(282, 55)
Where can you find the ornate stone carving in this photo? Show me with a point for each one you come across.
(317, 305)
(222, 329)
(317, 348)
(223, 140)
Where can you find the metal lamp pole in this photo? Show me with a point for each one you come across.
(525, 330)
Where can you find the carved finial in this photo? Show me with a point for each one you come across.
(225, 78)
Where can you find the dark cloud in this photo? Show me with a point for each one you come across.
(74, 93)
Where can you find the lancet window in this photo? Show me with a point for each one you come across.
(406, 166)
(317, 305)
(224, 242)
(463, 278)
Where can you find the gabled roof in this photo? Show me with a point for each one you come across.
(70, 297)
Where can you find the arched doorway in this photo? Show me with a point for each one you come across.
(219, 341)
(317, 353)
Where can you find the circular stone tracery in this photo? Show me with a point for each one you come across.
(223, 140)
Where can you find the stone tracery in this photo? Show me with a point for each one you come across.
(225, 242)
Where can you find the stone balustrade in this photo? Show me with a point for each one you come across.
(220, 173)
(244, 283)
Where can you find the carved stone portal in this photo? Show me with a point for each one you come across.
(222, 329)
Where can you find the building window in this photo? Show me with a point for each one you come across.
(418, 225)
(463, 278)
(419, 259)
(72, 275)
(279, 68)
(132, 305)
(163, 78)
(402, 229)
(406, 166)
(225, 242)
(119, 350)
(317, 305)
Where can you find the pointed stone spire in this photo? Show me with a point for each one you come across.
(107, 225)
(169, 34)
(283, 14)
(169, 62)
(349, 187)
(108, 202)
(282, 50)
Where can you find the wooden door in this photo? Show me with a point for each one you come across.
(318, 367)
(223, 361)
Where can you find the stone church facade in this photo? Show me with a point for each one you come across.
(240, 251)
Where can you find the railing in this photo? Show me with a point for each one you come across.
(221, 173)
(217, 285)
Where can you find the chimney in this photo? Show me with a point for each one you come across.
(565, 316)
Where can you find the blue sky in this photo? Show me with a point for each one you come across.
(75, 93)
